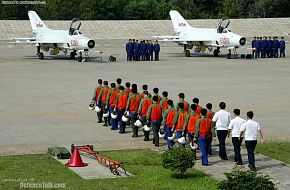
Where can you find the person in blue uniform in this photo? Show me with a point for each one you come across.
(270, 47)
(258, 47)
(128, 46)
(282, 47)
(147, 50)
(136, 50)
(265, 46)
(276, 46)
(156, 50)
(254, 41)
(150, 50)
(133, 51)
(143, 50)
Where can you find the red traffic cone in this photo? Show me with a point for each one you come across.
(76, 160)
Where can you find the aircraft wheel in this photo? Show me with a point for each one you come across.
(80, 58)
(215, 53)
(41, 56)
(72, 55)
(187, 53)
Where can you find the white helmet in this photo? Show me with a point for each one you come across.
(106, 114)
(193, 146)
(125, 119)
(172, 137)
(97, 109)
(91, 105)
(138, 123)
(161, 134)
(114, 115)
(182, 140)
(146, 128)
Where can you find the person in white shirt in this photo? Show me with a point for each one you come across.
(249, 130)
(234, 129)
(222, 120)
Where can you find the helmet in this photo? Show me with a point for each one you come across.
(161, 134)
(193, 146)
(91, 105)
(172, 137)
(114, 115)
(138, 123)
(182, 140)
(125, 118)
(97, 109)
(106, 114)
(146, 128)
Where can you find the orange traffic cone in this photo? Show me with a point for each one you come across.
(76, 160)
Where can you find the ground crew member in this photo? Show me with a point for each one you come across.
(179, 120)
(164, 101)
(127, 89)
(128, 50)
(254, 47)
(95, 98)
(137, 51)
(102, 99)
(168, 121)
(181, 97)
(222, 120)
(282, 47)
(190, 123)
(121, 102)
(265, 46)
(259, 47)
(147, 50)
(196, 101)
(133, 52)
(145, 88)
(119, 82)
(142, 111)
(155, 93)
(249, 131)
(132, 106)
(270, 47)
(154, 116)
(276, 46)
(203, 130)
(234, 129)
(156, 50)
(150, 50)
(143, 50)
(209, 115)
(111, 100)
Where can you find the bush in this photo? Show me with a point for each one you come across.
(178, 160)
(241, 180)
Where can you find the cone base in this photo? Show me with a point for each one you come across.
(83, 165)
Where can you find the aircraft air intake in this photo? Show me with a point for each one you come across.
(91, 44)
(242, 41)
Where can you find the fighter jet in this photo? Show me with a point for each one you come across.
(203, 38)
(55, 41)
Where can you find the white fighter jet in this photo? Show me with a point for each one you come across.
(55, 41)
(203, 38)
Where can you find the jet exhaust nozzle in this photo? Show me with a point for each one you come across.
(91, 44)
(242, 41)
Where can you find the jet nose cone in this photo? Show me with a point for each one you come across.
(91, 44)
(242, 41)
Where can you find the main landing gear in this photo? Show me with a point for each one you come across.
(187, 53)
(216, 52)
(40, 54)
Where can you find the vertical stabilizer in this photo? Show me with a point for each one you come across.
(179, 23)
(36, 22)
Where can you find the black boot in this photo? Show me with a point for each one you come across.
(106, 121)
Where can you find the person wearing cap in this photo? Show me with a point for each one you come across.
(111, 100)
(222, 120)
(234, 129)
(145, 88)
(129, 48)
(142, 111)
(150, 50)
(102, 99)
(276, 46)
(196, 101)
(156, 50)
(154, 116)
(270, 47)
(164, 101)
(254, 41)
(127, 89)
(137, 51)
(168, 121)
(155, 93)
(179, 120)
(121, 102)
(181, 97)
(249, 130)
(95, 98)
(190, 124)
(143, 50)
(203, 130)
(282, 47)
(119, 82)
(209, 115)
(132, 107)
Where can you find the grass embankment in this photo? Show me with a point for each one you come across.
(144, 164)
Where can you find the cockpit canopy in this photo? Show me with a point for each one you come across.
(75, 26)
(223, 25)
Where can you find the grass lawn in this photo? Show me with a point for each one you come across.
(279, 150)
(144, 164)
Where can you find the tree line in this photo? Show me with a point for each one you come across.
(146, 9)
